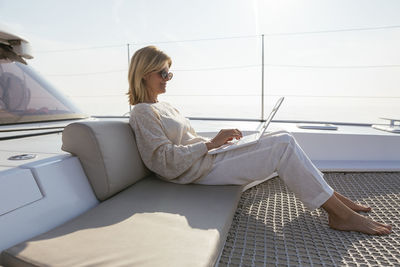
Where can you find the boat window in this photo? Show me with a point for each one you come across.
(26, 97)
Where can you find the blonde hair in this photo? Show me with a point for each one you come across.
(145, 60)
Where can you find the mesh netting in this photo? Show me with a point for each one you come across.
(272, 227)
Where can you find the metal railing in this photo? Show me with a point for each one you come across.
(263, 94)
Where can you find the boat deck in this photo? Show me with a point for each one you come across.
(272, 227)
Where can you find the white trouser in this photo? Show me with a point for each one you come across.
(275, 152)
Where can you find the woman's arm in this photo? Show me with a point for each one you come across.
(223, 137)
(220, 139)
(158, 153)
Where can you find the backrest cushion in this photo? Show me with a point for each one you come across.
(108, 154)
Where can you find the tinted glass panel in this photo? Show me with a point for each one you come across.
(26, 97)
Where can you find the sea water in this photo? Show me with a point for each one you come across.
(318, 109)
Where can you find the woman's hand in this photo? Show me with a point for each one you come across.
(223, 137)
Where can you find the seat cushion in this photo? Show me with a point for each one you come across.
(108, 154)
(152, 223)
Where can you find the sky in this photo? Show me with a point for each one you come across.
(340, 55)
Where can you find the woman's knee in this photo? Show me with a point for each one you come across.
(286, 137)
(281, 139)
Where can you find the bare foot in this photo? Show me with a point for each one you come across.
(359, 223)
(342, 217)
(352, 205)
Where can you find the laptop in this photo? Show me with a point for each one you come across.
(251, 138)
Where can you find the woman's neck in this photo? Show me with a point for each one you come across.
(152, 101)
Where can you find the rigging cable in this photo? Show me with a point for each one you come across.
(241, 67)
(226, 38)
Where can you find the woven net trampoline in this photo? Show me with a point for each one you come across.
(272, 227)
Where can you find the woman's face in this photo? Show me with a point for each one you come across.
(155, 83)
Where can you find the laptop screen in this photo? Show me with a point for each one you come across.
(272, 114)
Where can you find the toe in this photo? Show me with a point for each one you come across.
(365, 208)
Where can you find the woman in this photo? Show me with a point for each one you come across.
(170, 147)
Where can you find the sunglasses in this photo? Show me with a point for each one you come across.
(166, 75)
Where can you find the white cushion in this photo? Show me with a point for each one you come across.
(108, 154)
(152, 223)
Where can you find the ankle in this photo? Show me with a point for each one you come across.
(337, 209)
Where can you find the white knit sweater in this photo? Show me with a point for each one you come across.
(168, 144)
